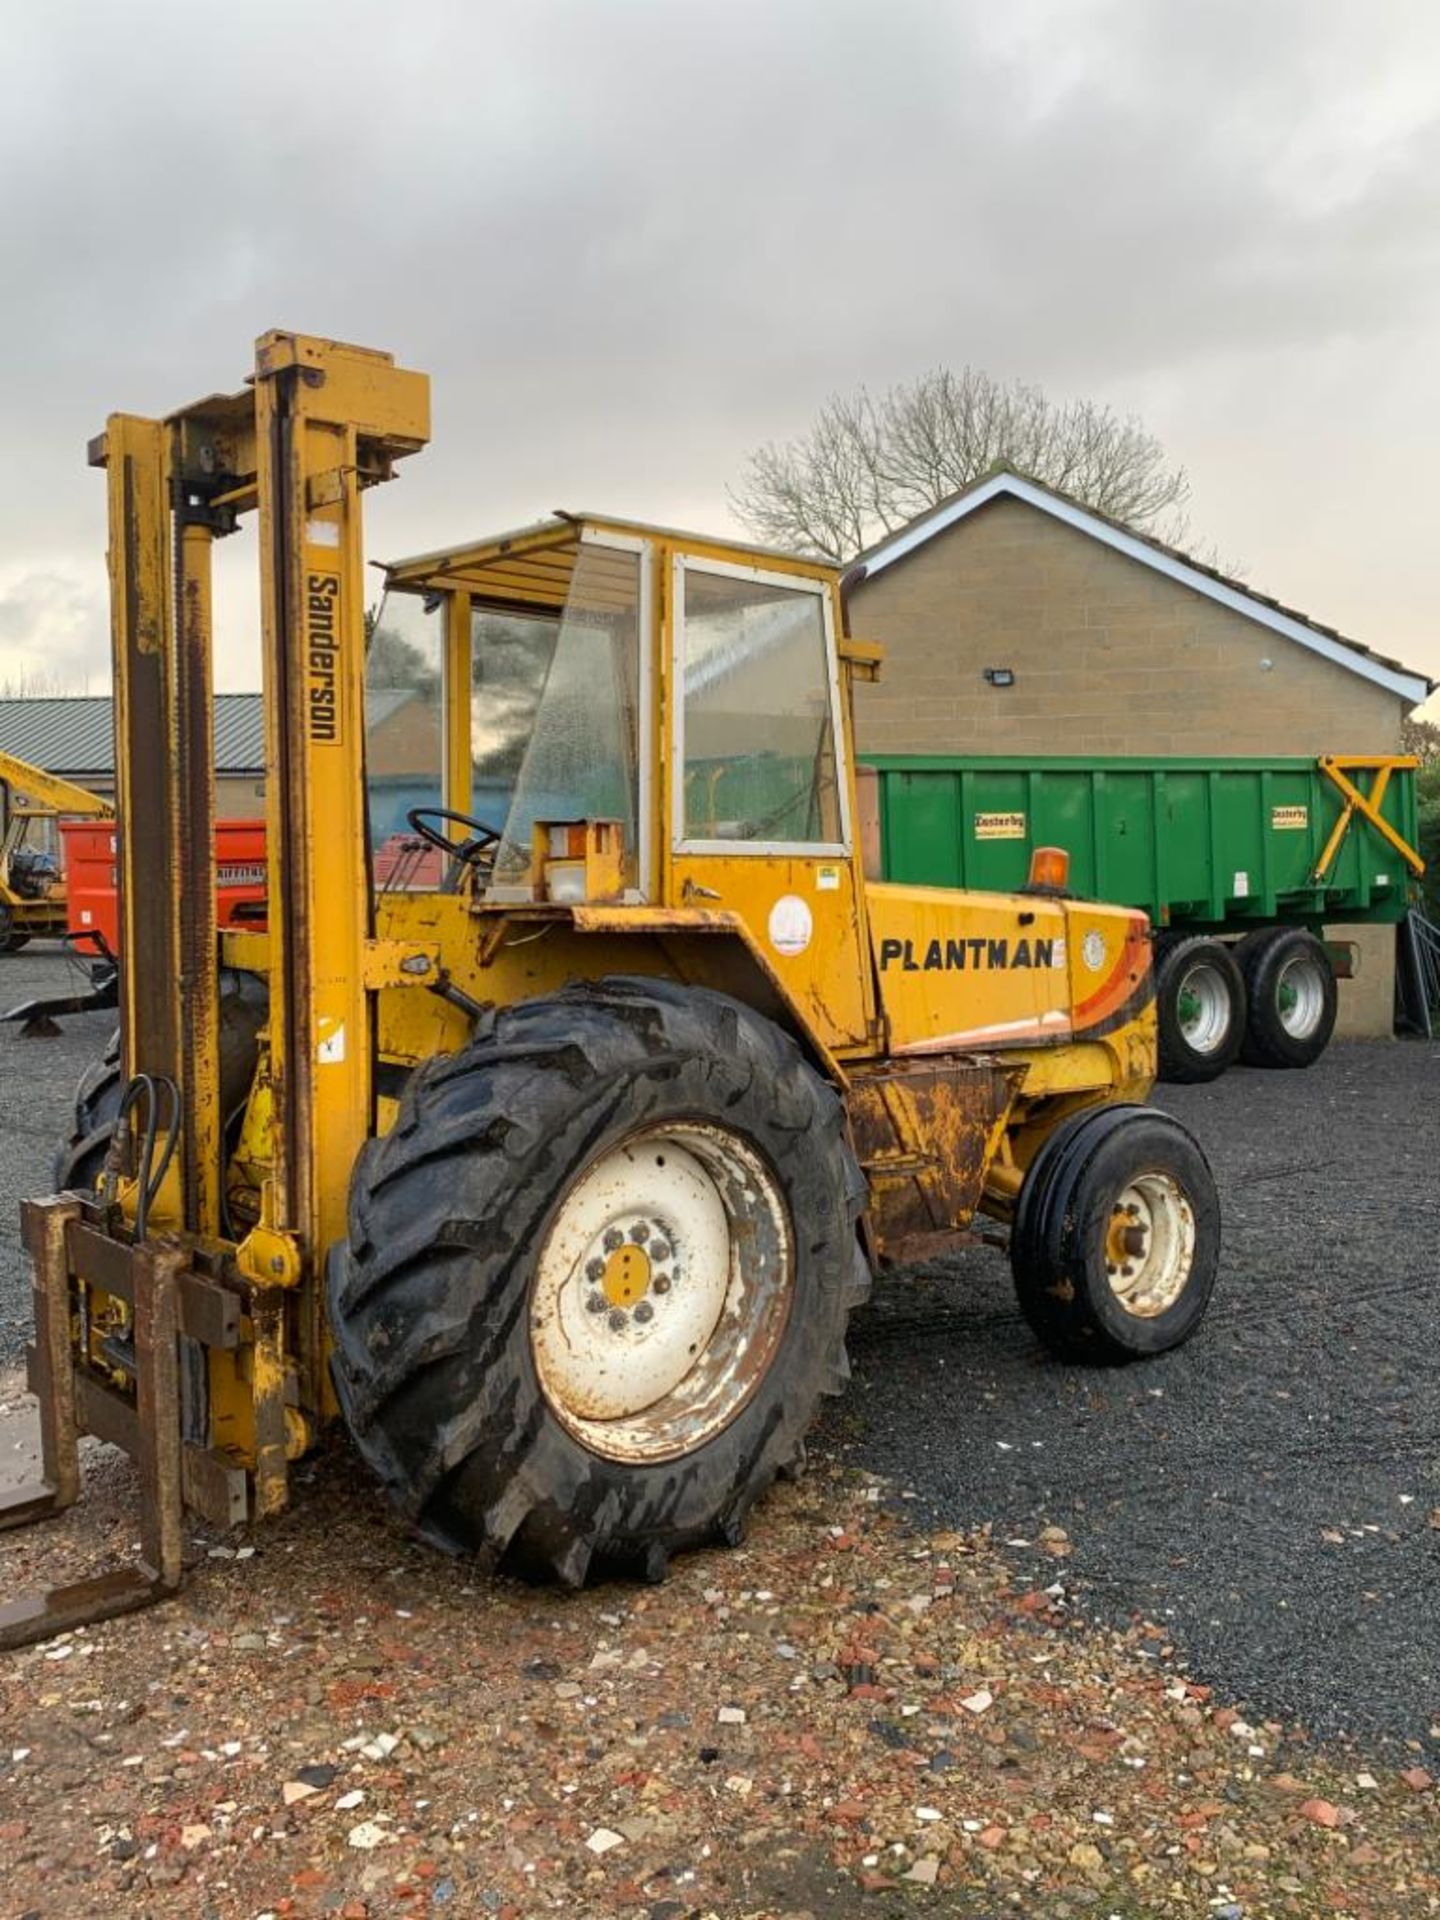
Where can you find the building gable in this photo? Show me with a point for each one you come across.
(1152, 554)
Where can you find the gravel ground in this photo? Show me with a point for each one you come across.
(1029, 1640)
(1272, 1491)
(846, 1719)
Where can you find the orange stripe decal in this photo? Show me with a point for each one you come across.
(1128, 971)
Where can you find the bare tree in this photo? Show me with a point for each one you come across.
(31, 683)
(869, 463)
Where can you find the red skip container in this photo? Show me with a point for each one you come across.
(91, 886)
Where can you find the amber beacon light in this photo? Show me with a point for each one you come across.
(1049, 869)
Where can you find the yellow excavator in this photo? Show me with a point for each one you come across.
(559, 1179)
(32, 887)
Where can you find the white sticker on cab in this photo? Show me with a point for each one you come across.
(791, 925)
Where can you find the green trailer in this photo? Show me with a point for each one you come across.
(1239, 863)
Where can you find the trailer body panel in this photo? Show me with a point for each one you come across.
(1220, 844)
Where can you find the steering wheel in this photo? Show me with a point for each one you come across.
(470, 853)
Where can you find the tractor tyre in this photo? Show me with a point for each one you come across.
(10, 941)
(1199, 1009)
(244, 1007)
(596, 1279)
(1293, 997)
(1116, 1240)
(80, 1158)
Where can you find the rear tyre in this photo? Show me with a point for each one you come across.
(597, 1277)
(1293, 997)
(1116, 1239)
(1199, 1008)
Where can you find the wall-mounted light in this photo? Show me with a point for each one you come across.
(1000, 676)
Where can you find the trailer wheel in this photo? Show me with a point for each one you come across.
(597, 1277)
(1199, 1007)
(79, 1159)
(1293, 997)
(1116, 1239)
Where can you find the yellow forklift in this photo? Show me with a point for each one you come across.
(32, 888)
(558, 1179)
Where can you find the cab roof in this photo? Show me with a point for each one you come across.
(533, 565)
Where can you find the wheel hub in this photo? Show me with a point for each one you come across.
(1150, 1244)
(1300, 996)
(660, 1292)
(625, 1275)
(1203, 1009)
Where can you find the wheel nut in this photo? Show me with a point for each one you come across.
(595, 1270)
(640, 1233)
(643, 1312)
(659, 1250)
(613, 1239)
(596, 1303)
(619, 1321)
(661, 1283)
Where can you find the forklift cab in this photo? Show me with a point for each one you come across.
(595, 712)
(521, 682)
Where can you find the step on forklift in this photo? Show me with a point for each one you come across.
(559, 1179)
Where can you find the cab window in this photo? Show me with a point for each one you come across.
(758, 721)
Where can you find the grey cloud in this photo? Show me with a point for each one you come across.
(52, 632)
(629, 240)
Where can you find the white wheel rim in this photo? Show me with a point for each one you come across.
(1203, 1007)
(1300, 996)
(1150, 1245)
(661, 1292)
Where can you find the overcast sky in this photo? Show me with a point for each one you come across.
(630, 241)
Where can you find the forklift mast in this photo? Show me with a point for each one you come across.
(317, 424)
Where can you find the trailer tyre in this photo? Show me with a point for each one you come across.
(1293, 997)
(1199, 1008)
(597, 1278)
(1116, 1240)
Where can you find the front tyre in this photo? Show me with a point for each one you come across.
(1116, 1239)
(597, 1277)
(244, 1005)
(80, 1159)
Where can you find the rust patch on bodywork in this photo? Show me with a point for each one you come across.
(925, 1132)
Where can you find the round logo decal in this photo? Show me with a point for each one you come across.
(1092, 950)
(791, 924)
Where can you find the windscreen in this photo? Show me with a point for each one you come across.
(581, 761)
(510, 656)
